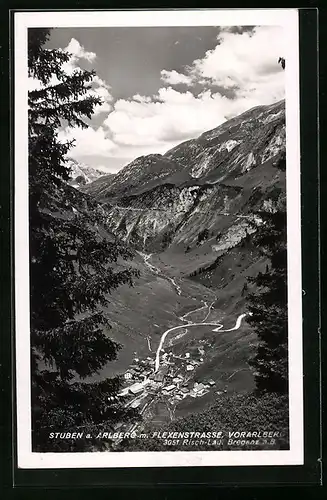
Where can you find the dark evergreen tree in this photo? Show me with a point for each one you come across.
(203, 235)
(244, 289)
(166, 239)
(268, 305)
(72, 269)
(80, 180)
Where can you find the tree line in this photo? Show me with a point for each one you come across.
(72, 266)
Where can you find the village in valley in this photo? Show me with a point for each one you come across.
(174, 380)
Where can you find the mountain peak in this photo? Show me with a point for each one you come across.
(226, 148)
(81, 174)
(228, 151)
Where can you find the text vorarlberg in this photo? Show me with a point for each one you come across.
(170, 435)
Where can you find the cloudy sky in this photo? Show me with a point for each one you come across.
(161, 86)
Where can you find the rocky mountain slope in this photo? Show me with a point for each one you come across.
(225, 153)
(195, 204)
(235, 147)
(144, 173)
(82, 174)
(98, 185)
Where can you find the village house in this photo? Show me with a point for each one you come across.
(202, 392)
(198, 387)
(124, 392)
(136, 368)
(159, 377)
(136, 388)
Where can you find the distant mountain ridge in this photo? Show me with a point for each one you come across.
(236, 146)
(142, 173)
(81, 173)
(225, 152)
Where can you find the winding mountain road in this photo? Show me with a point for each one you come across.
(189, 325)
(205, 212)
(218, 327)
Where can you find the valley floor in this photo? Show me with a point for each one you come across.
(179, 352)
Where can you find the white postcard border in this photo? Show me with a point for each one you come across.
(288, 19)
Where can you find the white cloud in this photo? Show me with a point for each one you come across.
(78, 51)
(245, 62)
(171, 116)
(34, 84)
(88, 142)
(99, 87)
(175, 116)
(174, 78)
(102, 90)
(141, 98)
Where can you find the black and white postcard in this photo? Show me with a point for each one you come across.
(158, 289)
